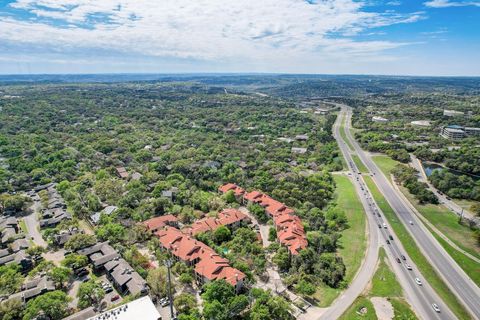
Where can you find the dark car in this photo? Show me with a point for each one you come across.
(403, 258)
(391, 238)
(81, 272)
(388, 242)
(379, 225)
(115, 297)
(398, 260)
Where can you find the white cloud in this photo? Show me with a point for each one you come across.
(208, 30)
(448, 3)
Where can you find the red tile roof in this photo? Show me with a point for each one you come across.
(207, 262)
(122, 172)
(225, 218)
(290, 230)
(157, 223)
(231, 186)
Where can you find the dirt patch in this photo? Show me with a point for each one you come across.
(383, 308)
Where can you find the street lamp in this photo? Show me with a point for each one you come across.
(168, 263)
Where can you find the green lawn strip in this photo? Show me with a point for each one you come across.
(343, 134)
(414, 252)
(360, 166)
(353, 242)
(447, 222)
(402, 310)
(351, 313)
(23, 226)
(384, 282)
(386, 164)
(471, 268)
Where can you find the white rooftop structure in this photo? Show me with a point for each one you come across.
(142, 308)
(379, 119)
(452, 113)
(421, 123)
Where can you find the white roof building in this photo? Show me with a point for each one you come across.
(421, 123)
(379, 119)
(142, 308)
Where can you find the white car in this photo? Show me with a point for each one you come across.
(417, 280)
(409, 267)
(385, 225)
(411, 222)
(435, 307)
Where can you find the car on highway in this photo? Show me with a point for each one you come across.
(385, 226)
(404, 258)
(379, 225)
(435, 307)
(411, 222)
(418, 281)
(398, 260)
(390, 236)
(378, 214)
(409, 267)
(388, 241)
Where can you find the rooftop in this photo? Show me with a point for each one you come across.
(142, 308)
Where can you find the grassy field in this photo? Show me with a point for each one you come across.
(361, 167)
(446, 222)
(23, 226)
(353, 242)
(414, 252)
(383, 284)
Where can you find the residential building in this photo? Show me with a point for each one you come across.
(208, 265)
(237, 191)
(124, 278)
(231, 218)
(157, 223)
(58, 217)
(95, 218)
(33, 288)
(61, 238)
(299, 150)
(455, 132)
(421, 123)
(122, 172)
(99, 254)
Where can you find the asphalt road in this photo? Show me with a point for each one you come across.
(456, 279)
(420, 297)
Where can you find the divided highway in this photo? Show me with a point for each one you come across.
(420, 295)
(456, 279)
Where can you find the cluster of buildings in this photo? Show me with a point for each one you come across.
(33, 288)
(290, 231)
(182, 245)
(104, 258)
(455, 132)
(56, 209)
(13, 244)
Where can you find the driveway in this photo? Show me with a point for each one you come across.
(263, 227)
(33, 226)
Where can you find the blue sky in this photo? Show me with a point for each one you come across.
(437, 37)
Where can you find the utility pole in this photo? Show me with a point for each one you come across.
(168, 263)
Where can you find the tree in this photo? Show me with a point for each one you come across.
(15, 203)
(186, 278)
(305, 288)
(221, 234)
(272, 234)
(80, 241)
(282, 259)
(11, 309)
(267, 306)
(75, 261)
(52, 304)
(185, 303)
(112, 232)
(230, 197)
(90, 293)
(215, 310)
(157, 281)
(60, 275)
(219, 290)
(10, 279)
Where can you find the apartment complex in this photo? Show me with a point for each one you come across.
(454, 132)
(290, 231)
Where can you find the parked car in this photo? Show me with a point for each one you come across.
(165, 303)
(115, 298)
(108, 289)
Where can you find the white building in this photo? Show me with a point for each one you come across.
(379, 119)
(421, 123)
(142, 308)
(452, 113)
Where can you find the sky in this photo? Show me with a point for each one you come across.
(393, 37)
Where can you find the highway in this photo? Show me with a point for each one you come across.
(421, 297)
(456, 279)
